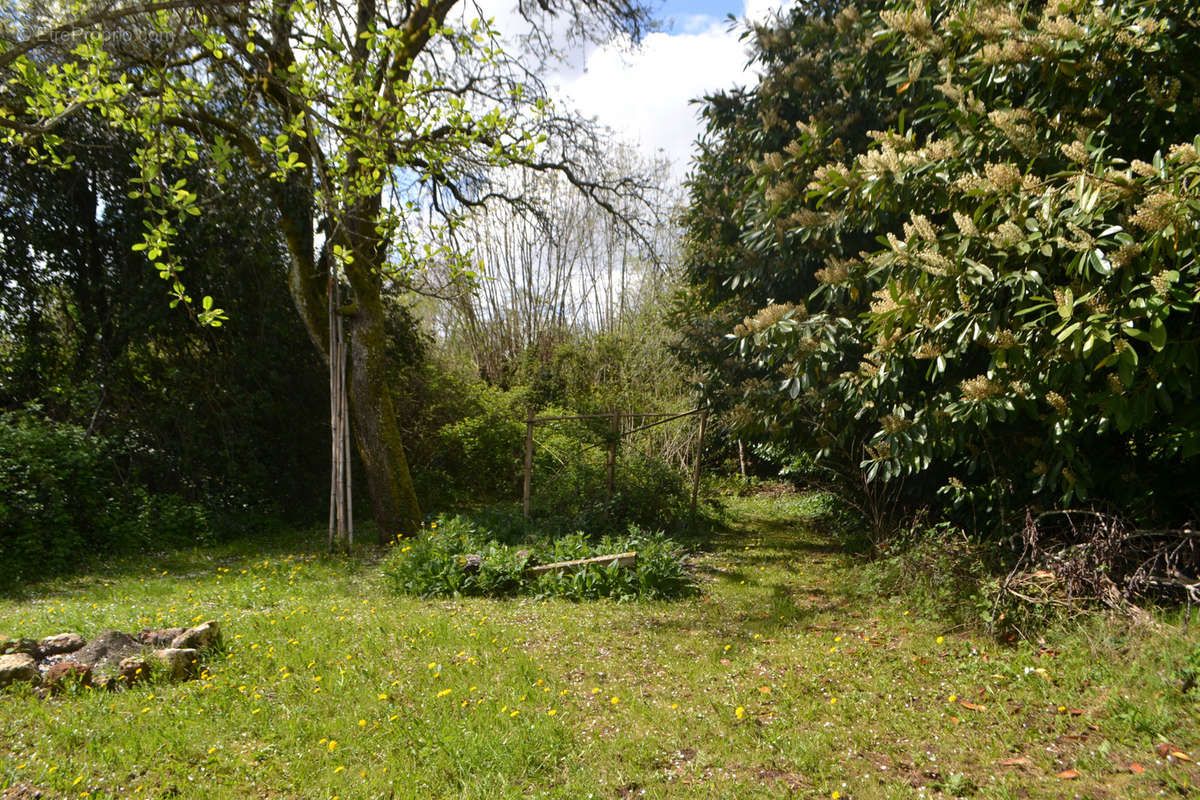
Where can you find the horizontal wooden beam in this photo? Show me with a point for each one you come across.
(622, 560)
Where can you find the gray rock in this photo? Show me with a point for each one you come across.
(61, 643)
(179, 663)
(22, 645)
(108, 647)
(159, 638)
(201, 637)
(17, 667)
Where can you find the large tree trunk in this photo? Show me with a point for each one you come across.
(373, 418)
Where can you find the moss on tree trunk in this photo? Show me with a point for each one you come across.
(376, 434)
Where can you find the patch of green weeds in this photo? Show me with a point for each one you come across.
(455, 557)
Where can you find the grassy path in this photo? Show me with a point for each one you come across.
(783, 678)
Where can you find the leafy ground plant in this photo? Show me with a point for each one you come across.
(436, 563)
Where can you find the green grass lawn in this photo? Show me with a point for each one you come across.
(783, 677)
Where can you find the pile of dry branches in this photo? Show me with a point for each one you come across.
(1074, 559)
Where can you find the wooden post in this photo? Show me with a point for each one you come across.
(696, 464)
(612, 452)
(526, 497)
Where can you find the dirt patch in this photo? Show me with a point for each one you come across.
(23, 791)
(792, 779)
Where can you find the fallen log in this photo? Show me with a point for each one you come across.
(622, 560)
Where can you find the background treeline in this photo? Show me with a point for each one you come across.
(127, 425)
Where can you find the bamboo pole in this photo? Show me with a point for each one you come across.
(348, 508)
(341, 524)
(333, 430)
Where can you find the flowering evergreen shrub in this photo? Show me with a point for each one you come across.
(953, 246)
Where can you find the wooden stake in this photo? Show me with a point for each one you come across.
(341, 524)
(348, 509)
(612, 453)
(526, 496)
(696, 464)
(333, 438)
(349, 476)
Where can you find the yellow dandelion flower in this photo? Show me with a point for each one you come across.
(739, 712)
(615, 700)
(332, 745)
(552, 712)
(443, 693)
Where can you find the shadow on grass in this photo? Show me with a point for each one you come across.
(274, 541)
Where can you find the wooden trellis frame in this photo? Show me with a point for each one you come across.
(617, 434)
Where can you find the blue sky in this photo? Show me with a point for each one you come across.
(717, 9)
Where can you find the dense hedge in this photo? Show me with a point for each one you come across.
(63, 502)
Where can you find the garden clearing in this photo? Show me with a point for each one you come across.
(783, 677)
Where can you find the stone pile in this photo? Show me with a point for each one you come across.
(111, 660)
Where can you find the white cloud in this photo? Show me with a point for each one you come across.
(761, 10)
(645, 93)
